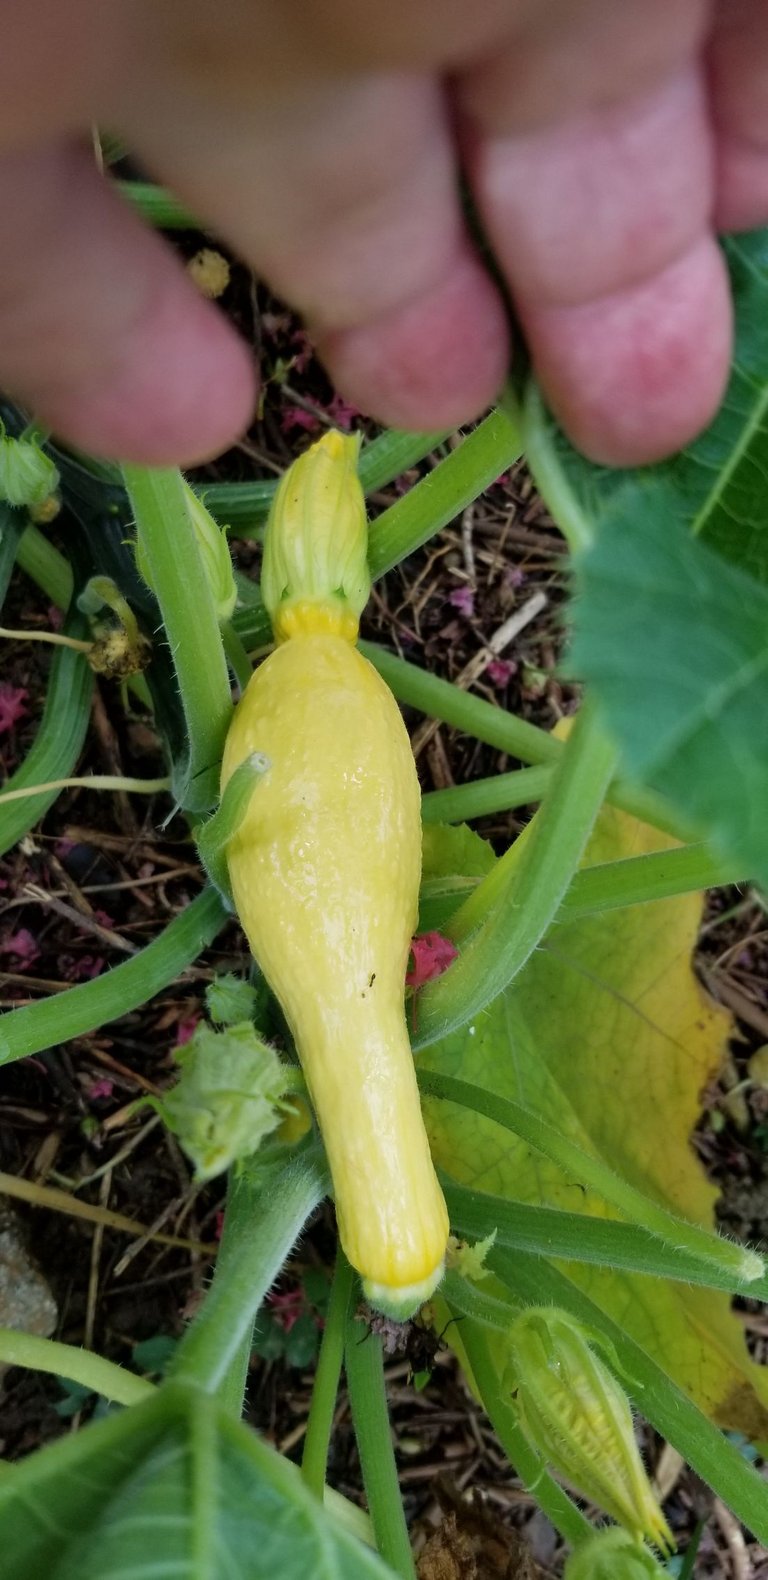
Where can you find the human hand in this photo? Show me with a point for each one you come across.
(602, 143)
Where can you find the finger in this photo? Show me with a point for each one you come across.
(345, 199)
(101, 334)
(738, 61)
(601, 225)
(635, 375)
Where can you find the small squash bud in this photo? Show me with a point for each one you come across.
(214, 551)
(28, 476)
(578, 1417)
(612, 1554)
(315, 576)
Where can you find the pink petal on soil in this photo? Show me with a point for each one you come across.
(186, 1029)
(340, 412)
(22, 946)
(101, 1088)
(463, 599)
(12, 709)
(81, 968)
(295, 417)
(501, 670)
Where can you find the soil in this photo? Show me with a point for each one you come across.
(101, 876)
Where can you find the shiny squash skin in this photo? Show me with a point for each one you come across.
(325, 875)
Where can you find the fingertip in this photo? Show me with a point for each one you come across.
(178, 388)
(635, 376)
(436, 362)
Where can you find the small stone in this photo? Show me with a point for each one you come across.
(26, 1301)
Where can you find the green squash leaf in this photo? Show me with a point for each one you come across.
(607, 1035)
(675, 645)
(174, 1487)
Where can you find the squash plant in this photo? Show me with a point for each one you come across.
(576, 1254)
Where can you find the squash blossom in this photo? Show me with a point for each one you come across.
(325, 872)
(578, 1417)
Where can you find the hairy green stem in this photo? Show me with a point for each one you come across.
(94, 1004)
(500, 793)
(487, 722)
(548, 473)
(57, 744)
(45, 566)
(266, 1212)
(745, 1265)
(440, 699)
(177, 573)
(368, 1400)
(326, 1385)
(607, 886)
(79, 1366)
(237, 658)
(579, 1237)
(639, 880)
(444, 493)
(530, 900)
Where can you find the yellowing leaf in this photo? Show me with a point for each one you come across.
(608, 1035)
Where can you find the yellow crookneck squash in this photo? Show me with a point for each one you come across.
(325, 872)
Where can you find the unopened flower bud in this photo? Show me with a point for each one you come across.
(28, 476)
(578, 1417)
(612, 1554)
(315, 574)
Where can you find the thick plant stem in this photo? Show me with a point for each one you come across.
(440, 699)
(57, 745)
(580, 1237)
(433, 502)
(500, 793)
(326, 1385)
(79, 1366)
(237, 658)
(589, 1170)
(530, 900)
(367, 1395)
(90, 1004)
(167, 536)
(265, 1215)
(45, 566)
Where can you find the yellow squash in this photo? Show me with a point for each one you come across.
(325, 872)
